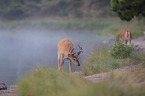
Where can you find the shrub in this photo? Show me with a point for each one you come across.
(119, 50)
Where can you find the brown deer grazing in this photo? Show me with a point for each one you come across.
(126, 37)
(66, 51)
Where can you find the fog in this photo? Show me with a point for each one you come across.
(21, 50)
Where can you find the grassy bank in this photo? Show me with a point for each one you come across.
(102, 61)
(102, 26)
(45, 82)
(123, 83)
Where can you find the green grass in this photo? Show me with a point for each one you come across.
(102, 61)
(135, 26)
(124, 83)
(49, 82)
(56, 23)
(46, 82)
(102, 26)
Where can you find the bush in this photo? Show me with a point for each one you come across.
(119, 50)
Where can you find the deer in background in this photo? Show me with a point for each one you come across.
(126, 37)
(66, 51)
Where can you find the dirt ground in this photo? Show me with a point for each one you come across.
(140, 43)
(98, 77)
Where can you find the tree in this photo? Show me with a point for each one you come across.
(128, 9)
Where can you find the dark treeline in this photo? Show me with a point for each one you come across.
(18, 9)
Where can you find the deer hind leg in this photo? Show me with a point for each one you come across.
(124, 41)
(60, 61)
(63, 65)
(129, 39)
(125, 38)
(70, 66)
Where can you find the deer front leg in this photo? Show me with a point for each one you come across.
(58, 63)
(70, 66)
(61, 62)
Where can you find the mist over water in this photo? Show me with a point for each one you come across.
(21, 50)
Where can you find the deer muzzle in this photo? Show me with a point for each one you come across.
(78, 64)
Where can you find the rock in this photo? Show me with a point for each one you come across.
(3, 86)
(79, 73)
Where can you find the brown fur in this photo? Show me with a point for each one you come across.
(125, 36)
(65, 51)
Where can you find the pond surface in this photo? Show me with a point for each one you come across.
(21, 50)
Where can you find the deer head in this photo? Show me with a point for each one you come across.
(74, 56)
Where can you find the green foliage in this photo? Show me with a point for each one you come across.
(119, 50)
(17, 9)
(129, 82)
(102, 61)
(48, 82)
(128, 9)
(143, 64)
(117, 26)
(122, 83)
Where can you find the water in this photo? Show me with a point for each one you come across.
(21, 50)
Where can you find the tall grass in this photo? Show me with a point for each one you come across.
(48, 82)
(123, 83)
(102, 61)
(45, 82)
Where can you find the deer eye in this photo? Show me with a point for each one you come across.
(74, 59)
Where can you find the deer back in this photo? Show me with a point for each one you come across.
(64, 47)
(123, 35)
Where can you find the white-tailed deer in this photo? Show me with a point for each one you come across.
(126, 37)
(66, 51)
